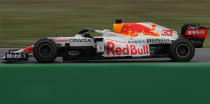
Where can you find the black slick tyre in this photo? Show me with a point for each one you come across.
(182, 50)
(45, 51)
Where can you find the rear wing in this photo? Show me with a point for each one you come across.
(195, 33)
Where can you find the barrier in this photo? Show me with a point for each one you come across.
(118, 83)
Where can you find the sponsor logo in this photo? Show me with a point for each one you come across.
(167, 32)
(113, 50)
(136, 41)
(197, 33)
(15, 55)
(194, 32)
(153, 40)
(193, 27)
(133, 29)
(79, 40)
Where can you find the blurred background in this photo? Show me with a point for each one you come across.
(22, 22)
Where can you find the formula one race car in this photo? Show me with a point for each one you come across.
(129, 40)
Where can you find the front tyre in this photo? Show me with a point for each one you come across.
(182, 50)
(45, 51)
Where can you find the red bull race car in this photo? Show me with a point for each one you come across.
(128, 40)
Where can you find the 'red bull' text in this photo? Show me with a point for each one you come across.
(112, 50)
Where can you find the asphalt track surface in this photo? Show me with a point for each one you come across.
(201, 55)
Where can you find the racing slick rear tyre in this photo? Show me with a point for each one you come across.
(45, 51)
(182, 50)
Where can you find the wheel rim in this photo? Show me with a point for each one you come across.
(183, 50)
(45, 50)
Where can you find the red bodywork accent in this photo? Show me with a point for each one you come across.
(60, 40)
(28, 49)
(132, 29)
(55, 39)
(115, 41)
(196, 33)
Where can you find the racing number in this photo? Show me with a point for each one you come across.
(167, 32)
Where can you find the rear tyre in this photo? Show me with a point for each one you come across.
(45, 51)
(182, 50)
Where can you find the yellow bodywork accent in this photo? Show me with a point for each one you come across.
(117, 27)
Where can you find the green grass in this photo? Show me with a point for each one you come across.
(105, 83)
(25, 21)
